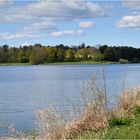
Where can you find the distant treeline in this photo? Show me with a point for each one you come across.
(36, 54)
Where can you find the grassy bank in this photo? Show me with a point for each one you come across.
(60, 63)
(123, 120)
(121, 128)
(14, 64)
(81, 63)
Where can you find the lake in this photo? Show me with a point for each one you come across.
(25, 89)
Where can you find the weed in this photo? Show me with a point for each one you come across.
(120, 121)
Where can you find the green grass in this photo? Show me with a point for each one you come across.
(81, 62)
(88, 62)
(119, 130)
(131, 131)
(91, 135)
(60, 63)
(14, 64)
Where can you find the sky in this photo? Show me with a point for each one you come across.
(70, 22)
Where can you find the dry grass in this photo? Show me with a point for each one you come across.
(94, 114)
(55, 128)
(13, 133)
(91, 121)
(95, 111)
(127, 101)
(51, 126)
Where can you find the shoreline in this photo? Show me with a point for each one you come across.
(66, 63)
(15, 64)
(61, 63)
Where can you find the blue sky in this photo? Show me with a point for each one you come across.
(70, 22)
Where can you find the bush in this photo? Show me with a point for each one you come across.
(123, 61)
(137, 110)
(95, 117)
(120, 121)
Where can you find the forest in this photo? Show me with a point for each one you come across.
(37, 54)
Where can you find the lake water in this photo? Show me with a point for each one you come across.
(25, 89)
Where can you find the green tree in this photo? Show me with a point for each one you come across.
(4, 54)
(60, 54)
(37, 56)
(22, 57)
(13, 54)
(69, 55)
(51, 54)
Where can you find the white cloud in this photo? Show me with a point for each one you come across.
(51, 10)
(25, 44)
(42, 17)
(5, 2)
(30, 35)
(133, 4)
(132, 21)
(67, 33)
(44, 26)
(86, 24)
(20, 35)
(65, 9)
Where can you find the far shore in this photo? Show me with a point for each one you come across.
(61, 63)
(14, 64)
(66, 63)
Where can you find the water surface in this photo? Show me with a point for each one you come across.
(25, 89)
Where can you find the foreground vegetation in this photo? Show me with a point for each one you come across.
(97, 120)
(38, 54)
(120, 128)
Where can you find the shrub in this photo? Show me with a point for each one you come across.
(123, 61)
(137, 110)
(51, 126)
(95, 116)
(120, 121)
(127, 102)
